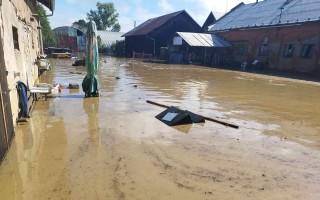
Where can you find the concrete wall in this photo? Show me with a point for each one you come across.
(277, 38)
(19, 64)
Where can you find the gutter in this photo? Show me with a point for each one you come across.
(41, 39)
(255, 28)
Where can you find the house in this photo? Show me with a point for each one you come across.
(211, 19)
(19, 48)
(278, 34)
(153, 34)
(71, 38)
(108, 38)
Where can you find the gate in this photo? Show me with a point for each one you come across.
(6, 122)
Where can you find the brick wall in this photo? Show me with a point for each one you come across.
(302, 38)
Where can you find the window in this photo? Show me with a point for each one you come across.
(288, 50)
(264, 50)
(307, 51)
(15, 38)
(240, 49)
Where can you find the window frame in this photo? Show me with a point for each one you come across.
(15, 38)
(264, 51)
(240, 47)
(286, 52)
(307, 51)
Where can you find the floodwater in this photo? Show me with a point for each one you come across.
(112, 147)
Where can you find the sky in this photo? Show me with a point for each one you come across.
(68, 11)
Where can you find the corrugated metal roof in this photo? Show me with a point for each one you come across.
(48, 3)
(269, 13)
(203, 40)
(108, 38)
(152, 24)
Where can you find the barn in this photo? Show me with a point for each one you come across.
(154, 33)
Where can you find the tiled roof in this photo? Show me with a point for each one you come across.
(108, 38)
(269, 13)
(48, 3)
(152, 24)
(203, 40)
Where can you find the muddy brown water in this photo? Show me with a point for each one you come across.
(112, 147)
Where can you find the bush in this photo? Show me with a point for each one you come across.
(118, 49)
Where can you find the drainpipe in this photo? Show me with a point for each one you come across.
(41, 40)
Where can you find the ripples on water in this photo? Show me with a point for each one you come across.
(253, 101)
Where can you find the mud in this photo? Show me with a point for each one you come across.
(112, 147)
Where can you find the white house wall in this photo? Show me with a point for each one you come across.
(20, 64)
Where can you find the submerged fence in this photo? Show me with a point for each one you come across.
(141, 55)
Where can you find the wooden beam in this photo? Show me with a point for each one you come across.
(4, 118)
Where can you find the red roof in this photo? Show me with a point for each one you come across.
(152, 24)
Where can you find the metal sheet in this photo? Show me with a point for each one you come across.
(203, 40)
(108, 37)
(271, 12)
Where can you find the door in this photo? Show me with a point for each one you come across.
(6, 122)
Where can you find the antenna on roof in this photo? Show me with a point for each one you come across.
(227, 6)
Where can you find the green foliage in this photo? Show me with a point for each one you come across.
(80, 24)
(105, 17)
(47, 34)
(118, 48)
(116, 28)
(101, 46)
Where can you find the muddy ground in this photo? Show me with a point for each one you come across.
(112, 147)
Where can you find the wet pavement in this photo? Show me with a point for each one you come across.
(112, 147)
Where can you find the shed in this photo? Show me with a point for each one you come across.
(153, 34)
(70, 37)
(200, 47)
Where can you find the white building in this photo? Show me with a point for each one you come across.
(19, 49)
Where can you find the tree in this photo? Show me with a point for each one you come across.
(105, 17)
(80, 24)
(118, 48)
(47, 34)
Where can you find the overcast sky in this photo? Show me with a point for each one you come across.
(69, 11)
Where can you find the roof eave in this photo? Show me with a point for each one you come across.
(48, 3)
(263, 27)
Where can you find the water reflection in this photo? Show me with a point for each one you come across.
(91, 108)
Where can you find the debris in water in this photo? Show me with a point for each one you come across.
(73, 86)
(206, 118)
(174, 116)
